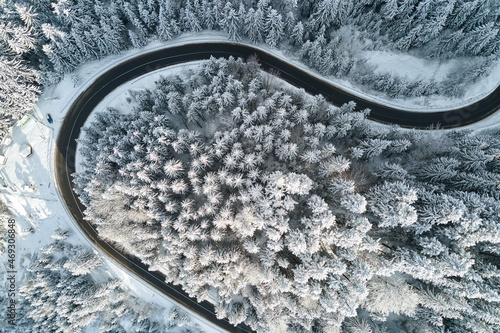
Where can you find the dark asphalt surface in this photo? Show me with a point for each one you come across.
(142, 64)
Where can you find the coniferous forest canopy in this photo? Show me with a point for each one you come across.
(60, 295)
(42, 40)
(294, 213)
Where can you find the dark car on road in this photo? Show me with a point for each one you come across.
(49, 118)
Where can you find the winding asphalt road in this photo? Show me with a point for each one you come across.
(142, 64)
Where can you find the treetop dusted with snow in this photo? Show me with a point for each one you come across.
(40, 41)
(294, 213)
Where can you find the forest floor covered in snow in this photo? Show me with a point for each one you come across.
(411, 68)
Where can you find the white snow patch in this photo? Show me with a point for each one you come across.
(409, 67)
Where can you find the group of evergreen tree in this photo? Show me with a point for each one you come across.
(297, 214)
(42, 40)
(64, 291)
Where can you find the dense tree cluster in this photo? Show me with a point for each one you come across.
(297, 214)
(42, 40)
(60, 294)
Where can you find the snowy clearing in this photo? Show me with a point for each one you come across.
(410, 67)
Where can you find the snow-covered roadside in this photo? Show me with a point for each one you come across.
(147, 294)
(59, 96)
(419, 104)
(408, 67)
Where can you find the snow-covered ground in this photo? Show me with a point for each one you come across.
(408, 66)
(411, 68)
(30, 192)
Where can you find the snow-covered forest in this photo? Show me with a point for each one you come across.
(294, 214)
(291, 213)
(65, 290)
(42, 40)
